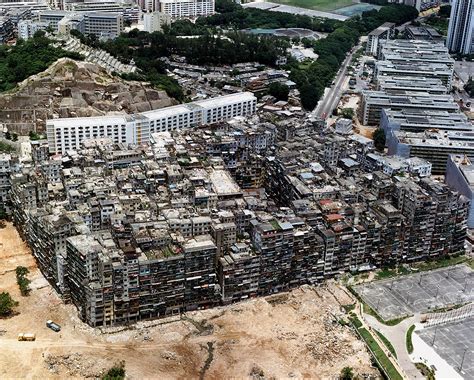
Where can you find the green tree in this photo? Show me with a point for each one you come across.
(309, 96)
(347, 113)
(21, 271)
(22, 281)
(444, 11)
(279, 90)
(346, 374)
(7, 303)
(379, 139)
(34, 136)
(117, 372)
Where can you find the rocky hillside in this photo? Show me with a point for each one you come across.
(74, 89)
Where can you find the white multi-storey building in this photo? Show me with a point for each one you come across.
(461, 27)
(68, 134)
(154, 21)
(187, 8)
(28, 28)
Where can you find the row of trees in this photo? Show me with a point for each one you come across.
(22, 281)
(28, 58)
(145, 48)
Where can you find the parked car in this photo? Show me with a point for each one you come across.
(53, 326)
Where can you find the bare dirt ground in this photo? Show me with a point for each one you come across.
(296, 334)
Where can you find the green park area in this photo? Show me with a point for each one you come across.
(317, 5)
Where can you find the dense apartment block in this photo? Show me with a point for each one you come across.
(415, 51)
(415, 69)
(198, 217)
(433, 145)
(373, 102)
(395, 85)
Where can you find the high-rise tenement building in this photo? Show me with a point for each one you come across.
(461, 27)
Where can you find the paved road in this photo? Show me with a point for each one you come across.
(331, 98)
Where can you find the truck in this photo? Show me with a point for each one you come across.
(26, 337)
(53, 326)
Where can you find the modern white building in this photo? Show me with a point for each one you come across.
(154, 21)
(461, 27)
(187, 8)
(101, 24)
(68, 134)
(28, 28)
(383, 32)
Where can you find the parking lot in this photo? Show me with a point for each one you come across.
(420, 292)
(452, 342)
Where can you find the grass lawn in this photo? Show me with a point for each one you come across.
(380, 355)
(317, 5)
(409, 339)
(387, 343)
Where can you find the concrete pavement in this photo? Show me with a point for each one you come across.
(397, 336)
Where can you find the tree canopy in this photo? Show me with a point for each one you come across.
(28, 58)
(279, 90)
(379, 139)
(7, 303)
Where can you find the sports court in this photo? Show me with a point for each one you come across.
(452, 341)
(419, 292)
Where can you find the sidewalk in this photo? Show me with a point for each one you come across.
(406, 375)
(397, 336)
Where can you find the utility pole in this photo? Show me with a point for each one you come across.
(462, 361)
(434, 336)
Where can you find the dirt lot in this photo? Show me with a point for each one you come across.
(296, 334)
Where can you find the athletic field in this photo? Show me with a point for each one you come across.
(317, 5)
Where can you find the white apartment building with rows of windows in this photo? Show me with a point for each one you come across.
(187, 8)
(68, 134)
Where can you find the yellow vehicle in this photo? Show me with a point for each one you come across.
(26, 337)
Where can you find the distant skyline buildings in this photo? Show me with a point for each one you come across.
(460, 37)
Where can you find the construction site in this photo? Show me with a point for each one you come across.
(301, 334)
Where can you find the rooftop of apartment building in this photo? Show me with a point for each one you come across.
(422, 68)
(382, 29)
(411, 98)
(432, 119)
(438, 139)
(397, 83)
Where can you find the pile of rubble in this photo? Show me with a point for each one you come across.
(74, 89)
(76, 365)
